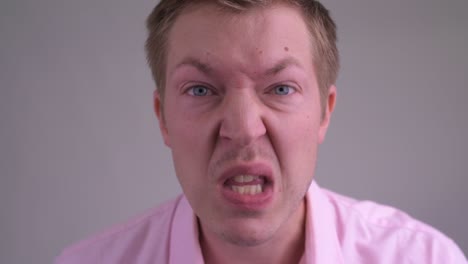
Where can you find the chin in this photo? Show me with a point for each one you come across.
(248, 235)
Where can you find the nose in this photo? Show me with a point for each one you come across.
(242, 120)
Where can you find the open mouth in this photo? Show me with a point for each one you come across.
(246, 184)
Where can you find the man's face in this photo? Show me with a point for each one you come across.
(242, 118)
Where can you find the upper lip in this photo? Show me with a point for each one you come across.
(259, 169)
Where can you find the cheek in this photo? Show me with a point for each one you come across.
(191, 145)
(298, 147)
(302, 131)
(183, 131)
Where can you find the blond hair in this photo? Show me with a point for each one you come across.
(321, 28)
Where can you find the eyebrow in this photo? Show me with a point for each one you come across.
(207, 69)
(190, 61)
(282, 64)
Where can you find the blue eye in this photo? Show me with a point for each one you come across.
(283, 90)
(199, 90)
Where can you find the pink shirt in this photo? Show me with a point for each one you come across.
(338, 230)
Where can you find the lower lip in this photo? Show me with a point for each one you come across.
(249, 202)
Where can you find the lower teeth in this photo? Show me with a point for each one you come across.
(248, 189)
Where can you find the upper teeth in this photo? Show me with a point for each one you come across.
(245, 178)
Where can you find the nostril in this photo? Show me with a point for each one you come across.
(244, 131)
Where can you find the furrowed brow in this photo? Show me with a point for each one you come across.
(281, 65)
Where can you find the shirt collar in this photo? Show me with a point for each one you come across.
(184, 247)
(321, 245)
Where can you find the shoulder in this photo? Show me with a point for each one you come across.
(145, 236)
(368, 231)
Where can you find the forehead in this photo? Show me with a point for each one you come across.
(255, 38)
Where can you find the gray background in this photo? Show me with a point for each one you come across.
(80, 148)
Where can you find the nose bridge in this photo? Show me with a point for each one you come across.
(242, 118)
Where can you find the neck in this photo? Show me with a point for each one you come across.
(286, 246)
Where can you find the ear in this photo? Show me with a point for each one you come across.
(160, 115)
(330, 106)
